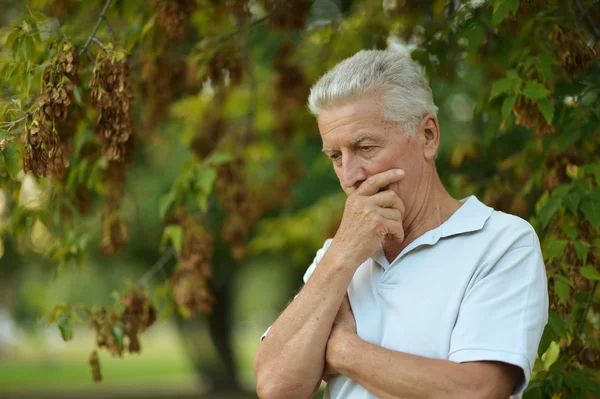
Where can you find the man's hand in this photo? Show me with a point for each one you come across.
(344, 327)
(371, 215)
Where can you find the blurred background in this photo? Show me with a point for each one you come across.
(164, 190)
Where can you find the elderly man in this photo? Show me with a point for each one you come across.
(418, 295)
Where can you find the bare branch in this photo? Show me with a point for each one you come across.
(253, 90)
(587, 308)
(99, 43)
(100, 19)
(595, 30)
(243, 28)
(9, 125)
(159, 265)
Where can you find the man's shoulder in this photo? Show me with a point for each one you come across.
(510, 230)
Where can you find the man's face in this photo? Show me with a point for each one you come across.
(361, 143)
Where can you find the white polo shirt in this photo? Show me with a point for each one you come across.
(471, 289)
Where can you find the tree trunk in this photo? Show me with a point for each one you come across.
(220, 325)
(215, 369)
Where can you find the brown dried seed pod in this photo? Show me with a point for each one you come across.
(94, 362)
(173, 16)
(528, 114)
(112, 95)
(575, 57)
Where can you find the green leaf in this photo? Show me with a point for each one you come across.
(77, 95)
(29, 48)
(547, 109)
(590, 272)
(535, 90)
(206, 179)
(545, 61)
(219, 158)
(507, 105)
(66, 327)
(117, 333)
(502, 8)
(591, 211)
(174, 234)
(147, 27)
(11, 159)
(551, 355)
(10, 40)
(570, 231)
(595, 194)
(27, 76)
(501, 86)
(555, 322)
(16, 47)
(165, 203)
(572, 201)
(549, 209)
(562, 288)
(566, 139)
(582, 249)
(11, 70)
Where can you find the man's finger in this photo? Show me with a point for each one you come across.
(388, 199)
(395, 229)
(391, 213)
(376, 182)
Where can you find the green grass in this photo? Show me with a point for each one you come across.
(27, 374)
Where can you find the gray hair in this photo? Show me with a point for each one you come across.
(406, 96)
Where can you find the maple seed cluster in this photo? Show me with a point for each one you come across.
(291, 88)
(95, 366)
(226, 63)
(116, 328)
(44, 152)
(528, 114)
(173, 16)
(574, 55)
(287, 14)
(189, 280)
(241, 207)
(112, 94)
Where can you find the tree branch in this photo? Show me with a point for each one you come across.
(586, 17)
(100, 19)
(160, 263)
(229, 35)
(99, 43)
(253, 89)
(9, 125)
(587, 308)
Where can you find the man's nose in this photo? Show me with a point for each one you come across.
(352, 173)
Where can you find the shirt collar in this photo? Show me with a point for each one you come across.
(470, 217)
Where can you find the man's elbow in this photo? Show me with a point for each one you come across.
(269, 391)
(269, 385)
(273, 390)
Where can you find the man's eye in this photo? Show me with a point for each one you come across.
(334, 157)
(366, 148)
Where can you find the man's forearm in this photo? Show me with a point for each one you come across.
(390, 374)
(290, 361)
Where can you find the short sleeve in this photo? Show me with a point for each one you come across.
(309, 271)
(503, 314)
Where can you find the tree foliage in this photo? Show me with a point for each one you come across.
(92, 93)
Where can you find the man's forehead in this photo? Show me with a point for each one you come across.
(349, 142)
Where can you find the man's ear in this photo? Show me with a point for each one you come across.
(430, 131)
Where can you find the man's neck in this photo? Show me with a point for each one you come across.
(432, 207)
